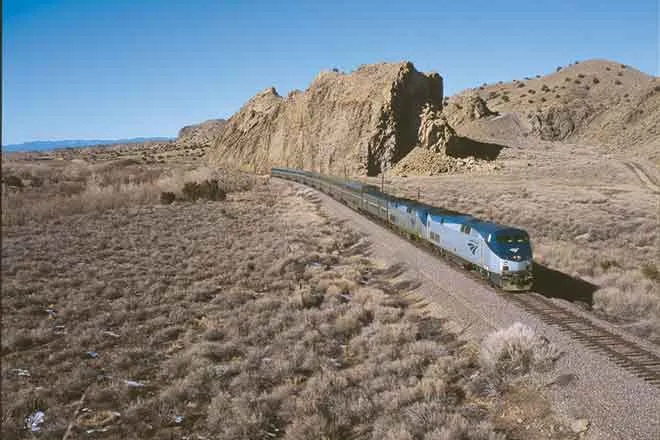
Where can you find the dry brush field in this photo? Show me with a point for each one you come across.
(253, 317)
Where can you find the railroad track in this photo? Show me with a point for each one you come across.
(624, 353)
(628, 355)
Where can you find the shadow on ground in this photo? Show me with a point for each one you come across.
(554, 284)
(459, 146)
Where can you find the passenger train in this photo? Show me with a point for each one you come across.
(501, 254)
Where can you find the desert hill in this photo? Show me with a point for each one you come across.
(343, 123)
(361, 122)
(594, 102)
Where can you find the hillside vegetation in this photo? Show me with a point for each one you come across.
(600, 103)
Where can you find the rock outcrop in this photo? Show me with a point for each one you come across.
(357, 123)
(434, 130)
(559, 122)
(466, 108)
(201, 134)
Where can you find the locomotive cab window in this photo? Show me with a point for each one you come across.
(522, 239)
(505, 238)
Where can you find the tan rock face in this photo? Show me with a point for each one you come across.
(357, 123)
(559, 122)
(469, 107)
(201, 134)
(434, 130)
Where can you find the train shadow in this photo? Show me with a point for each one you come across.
(555, 284)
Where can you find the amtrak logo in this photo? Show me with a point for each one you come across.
(514, 250)
(473, 246)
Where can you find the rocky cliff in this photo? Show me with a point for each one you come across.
(357, 123)
(201, 134)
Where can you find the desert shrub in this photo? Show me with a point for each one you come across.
(14, 181)
(618, 82)
(531, 101)
(567, 79)
(493, 95)
(577, 81)
(516, 351)
(596, 80)
(619, 74)
(521, 85)
(580, 75)
(608, 69)
(545, 88)
(558, 96)
(532, 91)
(505, 98)
(167, 197)
(623, 66)
(608, 264)
(208, 189)
(651, 272)
(657, 88)
(543, 99)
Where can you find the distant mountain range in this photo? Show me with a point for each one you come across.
(75, 143)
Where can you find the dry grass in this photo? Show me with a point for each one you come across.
(74, 187)
(589, 217)
(516, 351)
(255, 317)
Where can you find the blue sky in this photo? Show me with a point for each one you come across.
(119, 69)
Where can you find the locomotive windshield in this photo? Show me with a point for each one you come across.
(512, 238)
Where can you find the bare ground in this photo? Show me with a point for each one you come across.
(256, 317)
